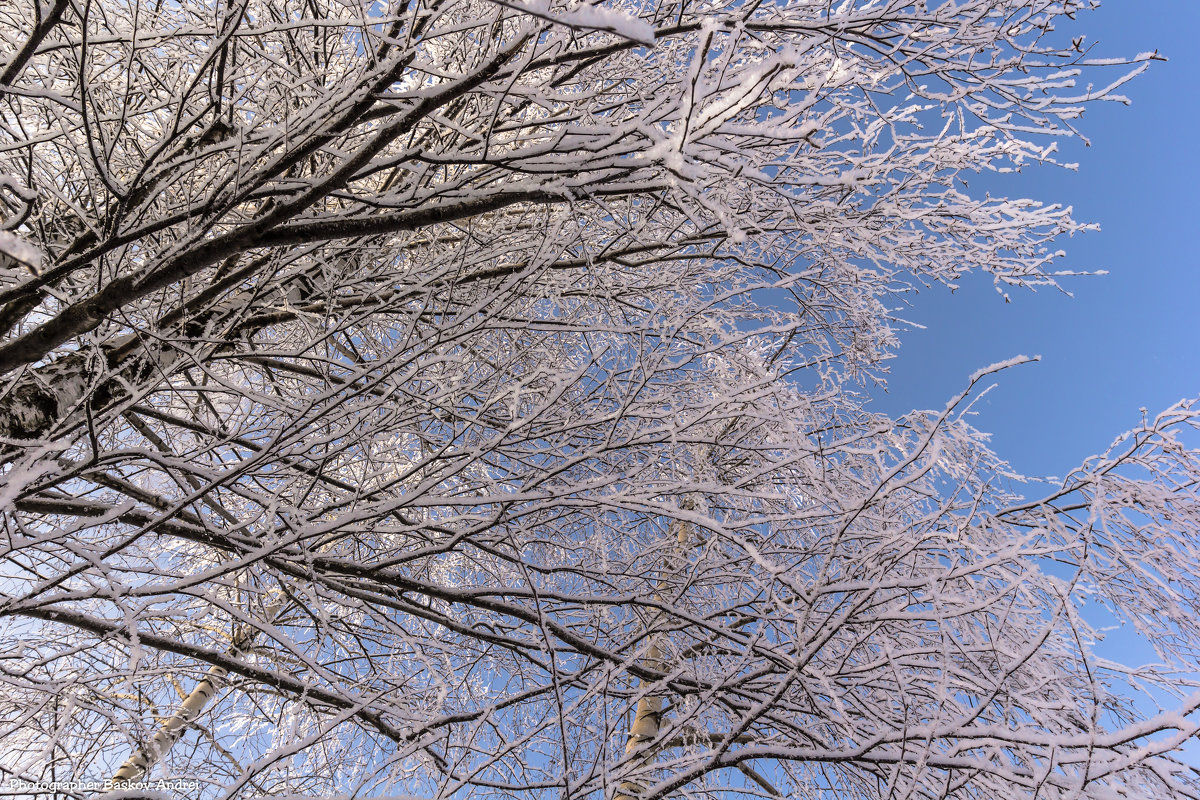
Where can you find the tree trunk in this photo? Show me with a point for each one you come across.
(648, 716)
(139, 763)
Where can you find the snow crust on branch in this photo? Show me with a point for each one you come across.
(395, 397)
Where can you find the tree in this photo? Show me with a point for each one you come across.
(452, 397)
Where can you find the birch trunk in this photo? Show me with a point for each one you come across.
(139, 763)
(648, 716)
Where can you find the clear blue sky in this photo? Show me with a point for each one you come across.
(1124, 341)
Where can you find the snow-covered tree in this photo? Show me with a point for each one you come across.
(457, 398)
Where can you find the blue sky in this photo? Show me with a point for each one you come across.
(1124, 341)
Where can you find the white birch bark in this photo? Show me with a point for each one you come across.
(647, 721)
(170, 729)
